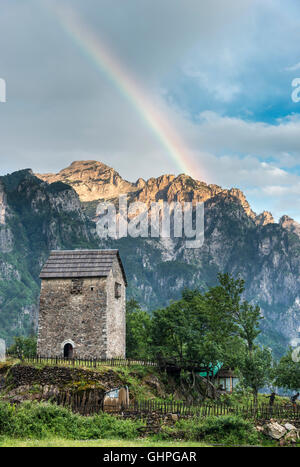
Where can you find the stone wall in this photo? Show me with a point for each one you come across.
(116, 314)
(79, 389)
(74, 316)
(22, 375)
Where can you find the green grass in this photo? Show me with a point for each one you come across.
(44, 423)
(61, 442)
(226, 430)
(240, 398)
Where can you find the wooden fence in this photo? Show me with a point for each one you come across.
(263, 411)
(94, 404)
(89, 363)
(170, 364)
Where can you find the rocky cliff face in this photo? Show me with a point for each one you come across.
(264, 218)
(57, 211)
(290, 225)
(94, 181)
(3, 204)
(38, 217)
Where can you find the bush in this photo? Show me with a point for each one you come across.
(227, 430)
(23, 347)
(42, 420)
(6, 415)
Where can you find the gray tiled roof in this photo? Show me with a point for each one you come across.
(80, 263)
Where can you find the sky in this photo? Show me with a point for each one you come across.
(151, 87)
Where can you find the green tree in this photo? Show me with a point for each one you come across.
(222, 303)
(138, 331)
(255, 369)
(199, 327)
(247, 318)
(287, 372)
(213, 328)
(252, 362)
(23, 347)
(176, 329)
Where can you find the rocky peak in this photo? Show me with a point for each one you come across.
(92, 180)
(242, 199)
(3, 205)
(290, 224)
(140, 183)
(264, 218)
(6, 238)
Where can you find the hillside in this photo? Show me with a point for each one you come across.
(36, 216)
(31, 381)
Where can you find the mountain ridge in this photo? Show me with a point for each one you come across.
(37, 216)
(96, 181)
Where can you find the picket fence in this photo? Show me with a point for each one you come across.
(205, 409)
(144, 408)
(89, 362)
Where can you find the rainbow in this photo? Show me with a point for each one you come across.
(100, 55)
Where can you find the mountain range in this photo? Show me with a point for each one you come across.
(40, 212)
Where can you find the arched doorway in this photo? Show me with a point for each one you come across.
(68, 350)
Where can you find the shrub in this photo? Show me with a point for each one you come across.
(226, 430)
(42, 420)
(23, 346)
(6, 415)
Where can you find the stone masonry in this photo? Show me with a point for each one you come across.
(82, 305)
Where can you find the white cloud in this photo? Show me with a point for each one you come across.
(224, 90)
(228, 134)
(293, 67)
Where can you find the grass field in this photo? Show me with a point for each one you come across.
(58, 442)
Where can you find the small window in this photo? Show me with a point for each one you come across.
(114, 394)
(92, 288)
(76, 287)
(222, 384)
(227, 384)
(117, 290)
(234, 382)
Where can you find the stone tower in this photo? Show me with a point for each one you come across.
(82, 305)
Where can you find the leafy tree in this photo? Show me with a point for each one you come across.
(176, 329)
(287, 373)
(199, 327)
(252, 362)
(247, 318)
(223, 303)
(211, 328)
(23, 347)
(138, 331)
(255, 369)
